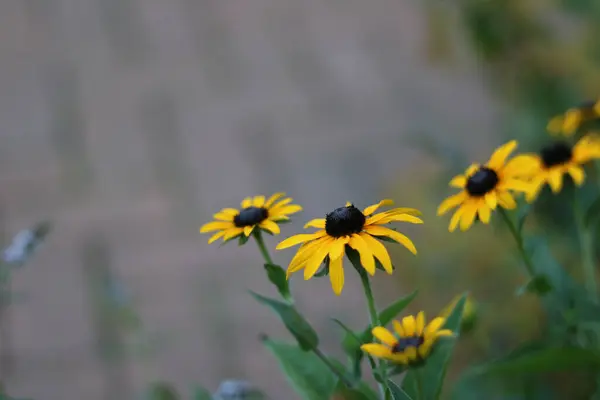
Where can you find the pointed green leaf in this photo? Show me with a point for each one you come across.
(539, 284)
(307, 374)
(361, 391)
(351, 344)
(297, 325)
(243, 239)
(390, 312)
(277, 276)
(397, 392)
(434, 370)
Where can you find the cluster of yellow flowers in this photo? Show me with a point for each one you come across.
(484, 189)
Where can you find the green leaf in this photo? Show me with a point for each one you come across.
(200, 393)
(361, 391)
(397, 392)
(389, 313)
(351, 344)
(434, 369)
(162, 391)
(539, 284)
(592, 214)
(277, 276)
(297, 325)
(324, 270)
(308, 375)
(522, 214)
(243, 239)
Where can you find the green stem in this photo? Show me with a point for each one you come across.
(519, 240)
(341, 376)
(383, 385)
(420, 390)
(261, 245)
(586, 247)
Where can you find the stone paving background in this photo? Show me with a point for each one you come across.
(129, 122)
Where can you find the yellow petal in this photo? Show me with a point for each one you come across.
(281, 204)
(336, 250)
(434, 325)
(248, 230)
(499, 156)
(409, 325)
(597, 108)
(273, 199)
(348, 204)
(302, 255)
(468, 215)
(515, 185)
(384, 336)
(336, 275)
(270, 226)
(315, 223)
(459, 181)
(411, 353)
(577, 174)
(215, 226)
(395, 235)
(420, 323)
(371, 209)
(523, 165)
(315, 261)
(232, 232)
(300, 238)
(216, 236)
(366, 255)
(573, 118)
(399, 218)
(484, 213)
(506, 200)
(283, 211)
(472, 169)
(379, 251)
(377, 218)
(425, 348)
(258, 201)
(555, 180)
(491, 200)
(376, 350)
(399, 358)
(451, 202)
(398, 328)
(247, 202)
(455, 219)
(444, 333)
(555, 125)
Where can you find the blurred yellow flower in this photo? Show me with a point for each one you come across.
(568, 122)
(256, 212)
(413, 340)
(560, 158)
(349, 226)
(484, 187)
(468, 310)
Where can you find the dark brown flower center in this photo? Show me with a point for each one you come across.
(404, 343)
(344, 221)
(250, 216)
(555, 154)
(481, 182)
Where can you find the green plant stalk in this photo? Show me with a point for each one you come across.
(383, 386)
(267, 257)
(420, 390)
(519, 240)
(586, 247)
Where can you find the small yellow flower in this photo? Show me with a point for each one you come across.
(571, 120)
(557, 159)
(484, 187)
(468, 311)
(256, 212)
(413, 340)
(349, 226)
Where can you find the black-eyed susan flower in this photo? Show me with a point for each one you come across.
(256, 212)
(572, 119)
(349, 226)
(412, 341)
(485, 187)
(557, 159)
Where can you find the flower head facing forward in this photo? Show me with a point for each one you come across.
(256, 212)
(571, 120)
(557, 159)
(412, 341)
(485, 187)
(350, 226)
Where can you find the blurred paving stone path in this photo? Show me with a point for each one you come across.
(132, 121)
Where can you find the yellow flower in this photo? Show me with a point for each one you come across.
(484, 187)
(256, 212)
(468, 311)
(357, 229)
(413, 340)
(570, 121)
(560, 158)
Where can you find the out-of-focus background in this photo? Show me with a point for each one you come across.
(128, 123)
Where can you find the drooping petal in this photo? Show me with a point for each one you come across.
(395, 235)
(506, 200)
(216, 236)
(248, 230)
(232, 232)
(365, 253)
(302, 256)
(499, 156)
(399, 218)
(555, 125)
(376, 350)
(315, 261)
(371, 209)
(577, 174)
(484, 213)
(468, 215)
(315, 223)
(491, 200)
(451, 202)
(455, 219)
(555, 179)
(444, 333)
(215, 226)
(270, 226)
(300, 238)
(425, 348)
(411, 353)
(336, 275)
(273, 199)
(572, 120)
(379, 251)
(336, 250)
(384, 336)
